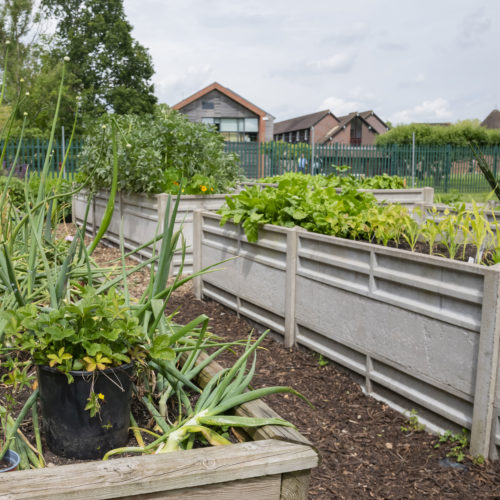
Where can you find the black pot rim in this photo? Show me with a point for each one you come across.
(83, 373)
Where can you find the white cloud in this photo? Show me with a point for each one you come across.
(175, 86)
(428, 111)
(340, 107)
(338, 63)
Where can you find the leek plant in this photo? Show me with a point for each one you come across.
(224, 391)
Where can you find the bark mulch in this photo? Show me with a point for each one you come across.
(364, 452)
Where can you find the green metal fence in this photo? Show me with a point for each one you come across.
(32, 156)
(442, 167)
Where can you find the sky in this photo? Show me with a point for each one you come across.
(409, 61)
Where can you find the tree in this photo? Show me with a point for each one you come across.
(32, 73)
(19, 27)
(112, 70)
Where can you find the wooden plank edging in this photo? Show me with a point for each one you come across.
(154, 473)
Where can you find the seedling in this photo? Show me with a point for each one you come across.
(460, 442)
(413, 425)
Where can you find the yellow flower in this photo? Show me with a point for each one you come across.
(101, 396)
(211, 189)
(203, 188)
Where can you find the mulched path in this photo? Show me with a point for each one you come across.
(364, 452)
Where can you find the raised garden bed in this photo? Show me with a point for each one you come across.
(276, 465)
(142, 217)
(420, 331)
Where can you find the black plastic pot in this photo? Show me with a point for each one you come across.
(11, 460)
(69, 429)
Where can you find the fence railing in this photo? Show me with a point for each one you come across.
(32, 156)
(442, 167)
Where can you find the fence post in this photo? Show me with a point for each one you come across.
(290, 295)
(447, 167)
(495, 161)
(482, 431)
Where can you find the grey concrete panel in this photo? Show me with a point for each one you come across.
(143, 218)
(415, 341)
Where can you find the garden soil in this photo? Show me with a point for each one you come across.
(364, 451)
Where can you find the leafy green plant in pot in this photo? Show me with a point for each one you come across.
(83, 352)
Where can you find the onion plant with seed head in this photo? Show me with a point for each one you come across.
(28, 274)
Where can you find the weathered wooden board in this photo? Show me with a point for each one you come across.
(156, 473)
(259, 488)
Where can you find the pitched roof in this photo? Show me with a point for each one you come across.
(344, 121)
(492, 120)
(366, 114)
(301, 122)
(226, 91)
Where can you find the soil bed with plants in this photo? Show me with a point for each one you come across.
(368, 450)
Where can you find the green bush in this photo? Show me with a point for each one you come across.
(156, 154)
(459, 134)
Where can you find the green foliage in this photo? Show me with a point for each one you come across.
(32, 71)
(312, 202)
(384, 181)
(94, 332)
(413, 424)
(112, 70)
(157, 153)
(17, 20)
(17, 195)
(459, 442)
(351, 214)
(459, 134)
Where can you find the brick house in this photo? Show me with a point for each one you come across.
(355, 129)
(237, 119)
(305, 128)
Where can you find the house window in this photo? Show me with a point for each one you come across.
(297, 136)
(306, 135)
(207, 105)
(356, 132)
(251, 125)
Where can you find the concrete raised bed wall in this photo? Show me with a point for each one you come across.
(142, 215)
(420, 332)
